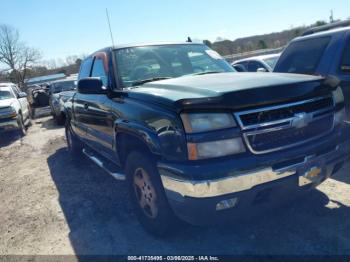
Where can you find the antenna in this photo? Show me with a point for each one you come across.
(110, 28)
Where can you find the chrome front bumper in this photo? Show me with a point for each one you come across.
(9, 124)
(240, 182)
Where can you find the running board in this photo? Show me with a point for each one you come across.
(102, 164)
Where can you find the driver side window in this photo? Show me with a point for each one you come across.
(99, 71)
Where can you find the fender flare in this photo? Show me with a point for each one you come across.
(143, 133)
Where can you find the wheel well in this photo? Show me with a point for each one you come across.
(63, 114)
(127, 143)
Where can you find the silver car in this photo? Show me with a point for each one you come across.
(59, 90)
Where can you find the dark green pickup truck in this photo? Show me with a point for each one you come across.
(197, 141)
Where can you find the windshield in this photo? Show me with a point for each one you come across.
(63, 86)
(136, 64)
(271, 61)
(5, 94)
(302, 57)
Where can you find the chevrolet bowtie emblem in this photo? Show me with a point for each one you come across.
(301, 120)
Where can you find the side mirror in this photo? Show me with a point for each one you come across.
(91, 85)
(261, 70)
(22, 95)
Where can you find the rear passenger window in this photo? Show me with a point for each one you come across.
(345, 62)
(302, 57)
(85, 68)
(98, 70)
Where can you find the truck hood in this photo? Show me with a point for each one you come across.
(6, 102)
(230, 90)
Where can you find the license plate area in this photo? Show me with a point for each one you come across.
(311, 173)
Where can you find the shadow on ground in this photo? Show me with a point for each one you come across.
(101, 221)
(9, 137)
(49, 124)
(343, 175)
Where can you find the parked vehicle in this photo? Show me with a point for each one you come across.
(59, 92)
(38, 96)
(195, 140)
(322, 51)
(14, 108)
(263, 63)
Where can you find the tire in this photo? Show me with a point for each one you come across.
(60, 119)
(147, 194)
(21, 126)
(31, 112)
(74, 145)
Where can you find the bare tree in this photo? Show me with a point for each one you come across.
(18, 57)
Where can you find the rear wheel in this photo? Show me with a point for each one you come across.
(147, 194)
(74, 145)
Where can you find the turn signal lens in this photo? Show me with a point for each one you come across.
(215, 148)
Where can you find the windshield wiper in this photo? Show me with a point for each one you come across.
(144, 81)
(206, 73)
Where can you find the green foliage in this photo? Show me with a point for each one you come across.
(207, 43)
(262, 44)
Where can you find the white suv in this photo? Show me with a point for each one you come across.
(14, 108)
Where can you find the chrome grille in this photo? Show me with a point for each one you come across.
(275, 128)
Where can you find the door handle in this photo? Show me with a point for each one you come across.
(86, 106)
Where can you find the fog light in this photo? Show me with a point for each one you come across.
(227, 203)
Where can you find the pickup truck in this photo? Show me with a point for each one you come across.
(323, 50)
(197, 141)
(14, 109)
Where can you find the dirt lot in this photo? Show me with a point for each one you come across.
(53, 205)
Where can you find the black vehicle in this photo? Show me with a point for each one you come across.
(323, 50)
(197, 141)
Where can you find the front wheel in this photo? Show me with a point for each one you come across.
(147, 194)
(21, 125)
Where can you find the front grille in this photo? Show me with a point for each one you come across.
(278, 127)
(284, 112)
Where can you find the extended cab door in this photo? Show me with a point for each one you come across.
(95, 111)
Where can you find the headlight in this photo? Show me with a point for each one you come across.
(202, 122)
(338, 96)
(215, 148)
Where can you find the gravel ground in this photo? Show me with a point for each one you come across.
(53, 205)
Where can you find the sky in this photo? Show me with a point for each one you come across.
(74, 27)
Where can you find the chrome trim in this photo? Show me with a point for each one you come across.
(10, 124)
(246, 139)
(251, 130)
(99, 163)
(211, 188)
(269, 108)
(241, 182)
